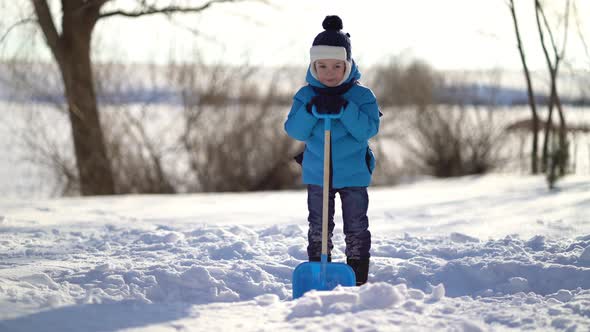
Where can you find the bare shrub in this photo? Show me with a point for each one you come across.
(398, 85)
(433, 137)
(136, 156)
(225, 136)
(242, 146)
(444, 142)
(48, 148)
(44, 136)
(403, 83)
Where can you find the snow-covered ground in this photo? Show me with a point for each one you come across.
(491, 253)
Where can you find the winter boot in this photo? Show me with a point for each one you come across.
(361, 269)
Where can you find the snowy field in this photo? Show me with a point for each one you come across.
(491, 253)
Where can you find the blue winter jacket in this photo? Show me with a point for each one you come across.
(352, 159)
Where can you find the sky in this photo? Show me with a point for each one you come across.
(453, 34)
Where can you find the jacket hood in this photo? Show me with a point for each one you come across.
(354, 75)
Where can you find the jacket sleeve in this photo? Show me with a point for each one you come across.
(362, 121)
(300, 123)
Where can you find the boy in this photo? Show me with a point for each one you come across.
(333, 87)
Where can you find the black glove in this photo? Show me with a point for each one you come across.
(327, 104)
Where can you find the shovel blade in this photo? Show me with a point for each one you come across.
(321, 276)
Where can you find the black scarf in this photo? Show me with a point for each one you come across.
(337, 90)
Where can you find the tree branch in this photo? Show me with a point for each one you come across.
(580, 34)
(90, 3)
(530, 90)
(47, 26)
(540, 10)
(566, 28)
(16, 24)
(164, 10)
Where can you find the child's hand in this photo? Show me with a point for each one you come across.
(327, 104)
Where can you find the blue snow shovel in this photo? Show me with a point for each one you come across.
(323, 275)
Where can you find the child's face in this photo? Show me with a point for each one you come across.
(330, 71)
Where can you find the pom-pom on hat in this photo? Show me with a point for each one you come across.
(331, 43)
(333, 36)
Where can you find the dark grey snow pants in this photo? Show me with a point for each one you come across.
(355, 203)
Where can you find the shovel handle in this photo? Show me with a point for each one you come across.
(325, 204)
(327, 145)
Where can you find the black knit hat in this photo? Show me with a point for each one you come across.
(333, 36)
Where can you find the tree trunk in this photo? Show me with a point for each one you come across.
(531, 96)
(93, 164)
(548, 132)
(71, 51)
(554, 99)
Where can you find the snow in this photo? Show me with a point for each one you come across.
(488, 253)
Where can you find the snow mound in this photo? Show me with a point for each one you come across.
(585, 257)
(462, 238)
(371, 296)
(491, 268)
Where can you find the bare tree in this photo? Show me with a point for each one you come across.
(583, 79)
(580, 33)
(530, 91)
(560, 154)
(71, 49)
